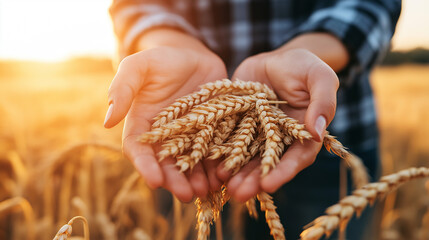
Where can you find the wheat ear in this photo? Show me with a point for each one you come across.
(217, 148)
(271, 216)
(241, 139)
(208, 90)
(224, 129)
(199, 148)
(274, 145)
(208, 211)
(290, 126)
(204, 114)
(359, 172)
(251, 208)
(66, 230)
(177, 145)
(338, 215)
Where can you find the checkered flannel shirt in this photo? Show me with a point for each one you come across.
(236, 29)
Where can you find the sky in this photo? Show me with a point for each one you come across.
(53, 30)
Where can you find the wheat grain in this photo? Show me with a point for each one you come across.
(339, 214)
(271, 216)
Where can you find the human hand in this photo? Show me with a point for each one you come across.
(309, 86)
(145, 83)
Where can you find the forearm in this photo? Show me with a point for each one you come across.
(169, 37)
(324, 45)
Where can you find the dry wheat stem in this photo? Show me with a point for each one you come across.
(11, 204)
(338, 215)
(271, 216)
(66, 230)
(208, 90)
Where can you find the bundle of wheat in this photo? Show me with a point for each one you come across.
(233, 121)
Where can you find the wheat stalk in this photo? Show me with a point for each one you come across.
(11, 204)
(338, 215)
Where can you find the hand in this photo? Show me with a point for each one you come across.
(145, 83)
(309, 86)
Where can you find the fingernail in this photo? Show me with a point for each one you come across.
(320, 126)
(108, 114)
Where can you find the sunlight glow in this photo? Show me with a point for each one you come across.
(52, 30)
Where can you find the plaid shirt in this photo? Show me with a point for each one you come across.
(237, 29)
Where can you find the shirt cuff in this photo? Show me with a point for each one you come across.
(148, 22)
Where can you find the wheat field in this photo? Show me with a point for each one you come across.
(57, 161)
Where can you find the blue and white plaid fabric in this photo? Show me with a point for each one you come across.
(237, 29)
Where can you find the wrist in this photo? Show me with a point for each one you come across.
(170, 37)
(324, 45)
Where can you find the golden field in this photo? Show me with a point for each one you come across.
(57, 157)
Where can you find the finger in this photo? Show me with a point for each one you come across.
(176, 182)
(223, 174)
(249, 187)
(143, 158)
(125, 85)
(236, 180)
(198, 180)
(215, 183)
(297, 157)
(323, 85)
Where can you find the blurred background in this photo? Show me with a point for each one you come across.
(57, 160)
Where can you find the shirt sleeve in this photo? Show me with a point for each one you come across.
(132, 18)
(364, 26)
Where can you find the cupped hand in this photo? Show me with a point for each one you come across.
(309, 86)
(145, 83)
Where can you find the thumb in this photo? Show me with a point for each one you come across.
(322, 85)
(124, 87)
